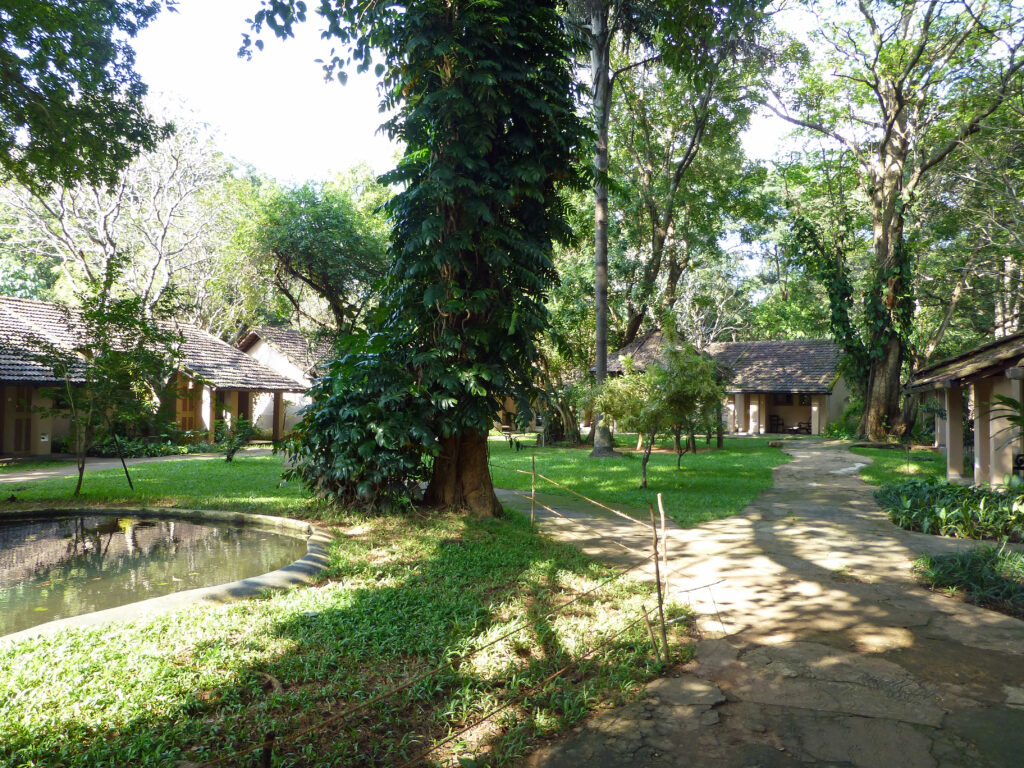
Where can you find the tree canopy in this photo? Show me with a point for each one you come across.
(71, 104)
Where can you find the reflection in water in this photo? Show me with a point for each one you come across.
(59, 567)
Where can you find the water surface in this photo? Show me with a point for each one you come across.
(53, 568)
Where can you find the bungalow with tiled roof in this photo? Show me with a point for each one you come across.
(996, 368)
(772, 386)
(290, 353)
(215, 380)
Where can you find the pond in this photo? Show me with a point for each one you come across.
(56, 567)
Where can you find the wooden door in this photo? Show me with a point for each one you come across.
(22, 419)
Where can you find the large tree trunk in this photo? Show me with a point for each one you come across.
(599, 65)
(461, 479)
(892, 304)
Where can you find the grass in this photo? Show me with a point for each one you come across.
(248, 484)
(889, 465)
(984, 576)
(22, 465)
(402, 595)
(711, 484)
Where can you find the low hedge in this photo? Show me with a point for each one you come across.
(946, 509)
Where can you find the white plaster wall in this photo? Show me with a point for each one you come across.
(266, 355)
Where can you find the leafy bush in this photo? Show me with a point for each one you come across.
(141, 447)
(364, 439)
(986, 576)
(846, 426)
(235, 436)
(947, 509)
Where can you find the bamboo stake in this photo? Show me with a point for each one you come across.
(533, 486)
(664, 545)
(650, 630)
(267, 758)
(657, 578)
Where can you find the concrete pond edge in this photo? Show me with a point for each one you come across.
(299, 573)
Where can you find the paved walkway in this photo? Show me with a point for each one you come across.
(818, 646)
(92, 464)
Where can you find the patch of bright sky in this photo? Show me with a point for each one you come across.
(274, 112)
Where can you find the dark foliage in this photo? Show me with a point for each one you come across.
(947, 509)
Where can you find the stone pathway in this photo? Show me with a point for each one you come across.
(818, 646)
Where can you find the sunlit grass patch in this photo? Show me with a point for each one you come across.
(402, 596)
(891, 464)
(248, 484)
(711, 484)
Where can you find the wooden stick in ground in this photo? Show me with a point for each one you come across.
(267, 758)
(650, 630)
(664, 545)
(533, 487)
(657, 579)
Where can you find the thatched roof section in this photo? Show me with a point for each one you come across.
(806, 366)
(987, 360)
(294, 345)
(25, 324)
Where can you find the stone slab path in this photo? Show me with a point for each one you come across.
(818, 647)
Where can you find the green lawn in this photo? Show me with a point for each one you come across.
(890, 465)
(247, 484)
(20, 465)
(402, 595)
(711, 484)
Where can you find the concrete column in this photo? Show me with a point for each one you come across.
(762, 414)
(954, 435)
(983, 442)
(940, 432)
(1004, 441)
(817, 412)
(278, 415)
(210, 408)
(755, 415)
(741, 412)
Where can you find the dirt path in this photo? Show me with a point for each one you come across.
(819, 648)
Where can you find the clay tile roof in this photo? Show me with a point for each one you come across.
(973, 364)
(801, 366)
(291, 343)
(24, 323)
(227, 367)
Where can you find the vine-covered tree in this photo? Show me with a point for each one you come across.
(902, 86)
(483, 94)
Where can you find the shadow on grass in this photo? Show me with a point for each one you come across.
(403, 597)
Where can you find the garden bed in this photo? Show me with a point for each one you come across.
(989, 577)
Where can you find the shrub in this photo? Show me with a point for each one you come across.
(947, 509)
(986, 576)
(235, 436)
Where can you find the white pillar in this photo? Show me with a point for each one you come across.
(983, 443)
(816, 414)
(741, 412)
(1004, 440)
(755, 415)
(954, 434)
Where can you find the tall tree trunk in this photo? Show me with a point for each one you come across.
(461, 479)
(890, 302)
(599, 66)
